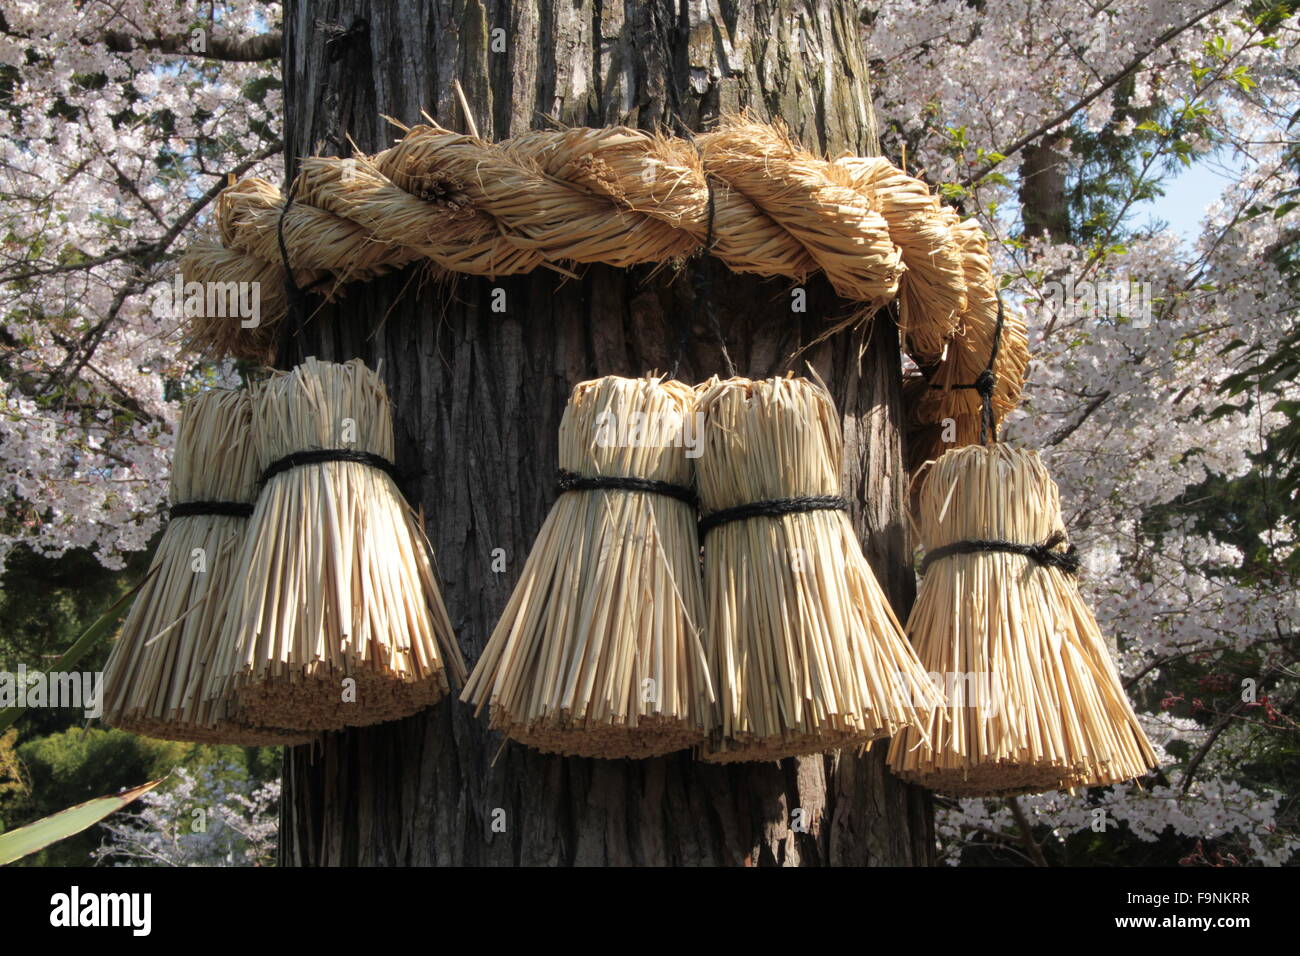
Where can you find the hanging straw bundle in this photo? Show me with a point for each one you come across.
(804, 649)
(335, 578)
(154, 677)
(1035, 702)
(597, 653)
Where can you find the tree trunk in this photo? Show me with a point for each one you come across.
(1045, 207)
(478, 395)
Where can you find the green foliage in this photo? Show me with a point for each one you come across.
(76, 765)
(35, 837)
(1113, 172)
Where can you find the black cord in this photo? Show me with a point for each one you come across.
(702, 284)
(295, 297)
(986, 382)
(1043, 554)
(773, 508)
(318, 456)
(229, 509)
(570, 481)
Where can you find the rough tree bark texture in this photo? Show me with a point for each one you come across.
(478, 397)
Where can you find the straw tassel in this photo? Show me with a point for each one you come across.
(155, 673)
(598, 651)
(805, 650)
(1035, 701)
(337, 619)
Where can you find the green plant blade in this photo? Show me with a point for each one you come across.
(81, 646)
(36, 836)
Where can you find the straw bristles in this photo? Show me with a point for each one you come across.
(1042, 706)
(805, 651)
(335, 580)
(814, 201)
(537, 213)
(967, 351)
(155, 674)
(355, 190)
(926, 441)
(598, 652)
(248, 220)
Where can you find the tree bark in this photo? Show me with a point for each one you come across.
(1045, 207)
(478, 395)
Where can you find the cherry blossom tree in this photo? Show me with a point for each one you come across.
(988, 99)
(121, 123)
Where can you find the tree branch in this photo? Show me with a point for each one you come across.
(265, 46)
(1026, 832)
(1127, 70)
(148, 252)
(1069, 428)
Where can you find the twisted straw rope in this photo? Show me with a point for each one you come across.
(623, 197)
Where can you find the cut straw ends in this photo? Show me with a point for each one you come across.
(598, 652)
(1050, 711)
(804, 649)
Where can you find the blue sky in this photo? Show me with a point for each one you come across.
(1189, 192)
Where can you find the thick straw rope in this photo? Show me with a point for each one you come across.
(623, 197)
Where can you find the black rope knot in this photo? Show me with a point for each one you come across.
(985, 383)
(773, 508)
(571, 481)
(319, 456)
(1045, 554)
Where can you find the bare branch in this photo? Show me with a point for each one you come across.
(1069, 428)
(1026, 832)
(1066, 114)
(265, 46)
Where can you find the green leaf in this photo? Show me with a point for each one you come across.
(952, 191)
(59, 826)
(80, 647)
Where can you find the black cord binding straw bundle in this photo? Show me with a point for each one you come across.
(598, 651)
(1034, 701)
(806, 653)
